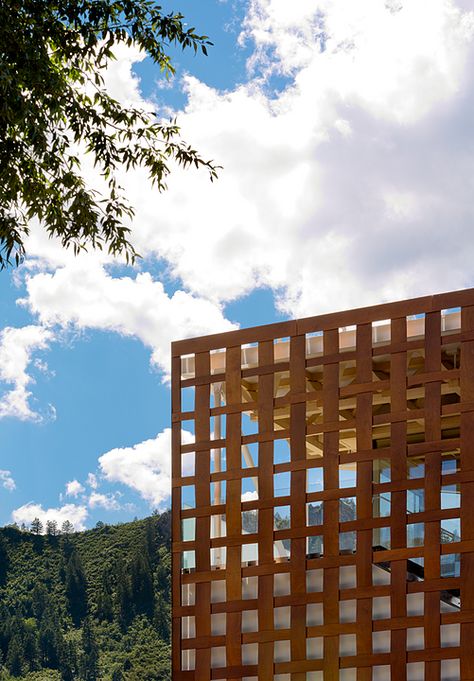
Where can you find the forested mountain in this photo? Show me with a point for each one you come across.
(91, 606)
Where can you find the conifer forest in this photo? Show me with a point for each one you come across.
(86, 606)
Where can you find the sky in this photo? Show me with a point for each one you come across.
(345, 132)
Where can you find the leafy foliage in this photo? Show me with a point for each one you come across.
(54, 107)
(89, 606)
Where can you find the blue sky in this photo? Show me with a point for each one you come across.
(347, 141)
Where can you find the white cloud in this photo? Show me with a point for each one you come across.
(145, 467)
(74, 488)
(85, 295)
(341, 190)
(76, 514)
(106, 501)
(348, 187)
(92, 480)
(6, 480)
(17, 346)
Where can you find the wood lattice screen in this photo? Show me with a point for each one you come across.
(323, 497)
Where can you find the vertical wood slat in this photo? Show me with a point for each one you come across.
(298, 498)
(467, 494)
(432, 490)
(398, 525)
(330, 400)
(233, 506)
(364, 495)
(265, 515)
(175, 514)
(203, 543)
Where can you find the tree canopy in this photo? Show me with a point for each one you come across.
(54, 107)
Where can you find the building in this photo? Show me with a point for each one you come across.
(323, 507)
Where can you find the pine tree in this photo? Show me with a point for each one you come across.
(161, 618)
(76, 584)
(123, 599)
(39, 600)
(15, 655)
(50, 638)
(141, 582)
(37, 526)
(30, 644)
(3, 561)
(68, 661)
(105, 609)
(67, 527)
(52, 528)
(90, 655)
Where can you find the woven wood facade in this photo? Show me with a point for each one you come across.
(323, 497)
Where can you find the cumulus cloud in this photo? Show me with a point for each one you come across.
(17, 346)
(76, 514)
(144, 467)
(343, 188)
(349, 185)
(108, 502)
(86, 296)
(6, 480)
(92, 480)
(74, 488)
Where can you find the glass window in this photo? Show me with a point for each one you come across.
(381, 470)
(381, 505)
(218, 558)
(188, 464)
(218, 460)
(415, 534)
(281, 517)
(188, 497)
(250, 455)
(314, 546)
(450, 530)
(381, 538)
(281, 617)
(188, 529)
(250, 554)
(450, 496)
(249, 588)
(218, 657)
(314, 480)
(250, 521)
(218, 623)
(218, 493)
(314, 513)
(249, 621)
(450, 565)
(250, 653)
(188, 660)
(347, 509)
(281, 550)
(188, 560)
(347, 475)
(249, 489)
(347, 542)
(415, 500)
(314, 648)
(218, 591)
(415, 468)
(281, 451)
(281, 484)
(218, 526)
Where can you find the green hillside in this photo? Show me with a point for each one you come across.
(90, 606)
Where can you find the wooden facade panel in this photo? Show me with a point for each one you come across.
(327, 523)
